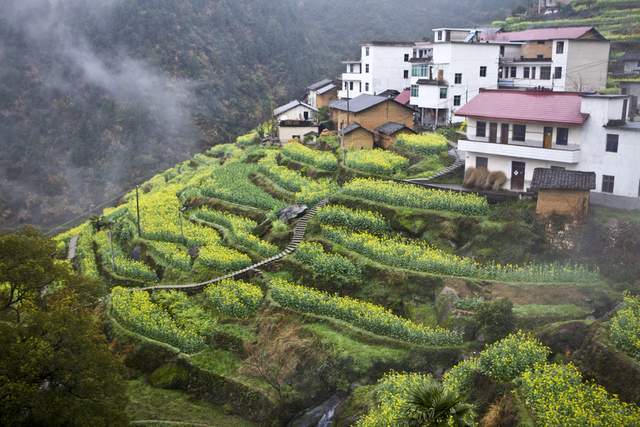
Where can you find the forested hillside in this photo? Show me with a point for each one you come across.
(97, 96)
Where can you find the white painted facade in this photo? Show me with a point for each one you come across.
(300, 112)
(287, 133)
(586, 150)
(574, 65)
(381, 66)
(455, 74)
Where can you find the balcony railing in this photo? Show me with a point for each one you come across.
(526, 150)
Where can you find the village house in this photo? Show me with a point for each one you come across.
(355, 137)
(295, 119)
(320, 94)
(631, 88)
(518, 131)
(559, 59)
(448, 73)
(562, 192)
(630, 63)
(382, 65)
(388, 132)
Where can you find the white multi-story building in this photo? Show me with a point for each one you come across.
(382, 66)
(518, 131)
(560, 59)
(451, 72)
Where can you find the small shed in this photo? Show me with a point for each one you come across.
(388, 132)
(564, 192)
(355, 137)
(295, 129)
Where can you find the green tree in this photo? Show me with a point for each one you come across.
(431, 405)
(496, 319)
(55, 365)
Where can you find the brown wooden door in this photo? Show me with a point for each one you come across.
(504, 133)
(548, 137)
(517, 175)
(440, 74)
(493, 132)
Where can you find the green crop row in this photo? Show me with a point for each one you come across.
(380, 162)
(329, 267)
(169, 254)
(625, 327)
(234, 298)
(318, 159)
(113, 259)
(365, 315)
(422, 144)
(353, 219)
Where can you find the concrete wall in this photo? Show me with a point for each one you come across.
(534, 133)
(297, 113)
(359, 139)
(286, 133)
(386, 68)
(587, 65)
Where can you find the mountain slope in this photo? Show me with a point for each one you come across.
(96, 97)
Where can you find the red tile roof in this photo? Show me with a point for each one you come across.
(404, 97)
(570, 33)
(532, 106)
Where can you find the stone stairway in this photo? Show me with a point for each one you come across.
(298, 235)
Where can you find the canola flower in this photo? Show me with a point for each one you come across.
(353, 219)
(114, 260)
(557, 396)
(413, 196)
(325, 265)
(506, 359)
(234, 298)
(135, 310)
(377, 161)
(419, 256)
(318, 159)
(624, 327)
(422, 144)
(169, 254)
(365, 315)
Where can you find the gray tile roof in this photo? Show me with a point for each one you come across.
(561, 179)
(353, 126)
(290, 105)
(318, 85)
(391, 128)
(326, 89)
(359, 103)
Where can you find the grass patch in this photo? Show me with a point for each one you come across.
(149, 403)
(565, 311)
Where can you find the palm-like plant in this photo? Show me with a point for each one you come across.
(431, 405)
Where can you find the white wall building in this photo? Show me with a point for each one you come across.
(518, 131)
(295, 120)
(458, 67)
(295, 110)
(561, 59)
(382, 66)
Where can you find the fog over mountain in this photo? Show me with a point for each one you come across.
(97, 95)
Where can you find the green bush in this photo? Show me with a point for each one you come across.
(460, 378)
(625, 327)
(506, 359)
(496, 319)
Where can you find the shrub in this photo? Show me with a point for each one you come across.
(496, 319)
(460, 378)
(329, 267)
(353, 219)
(557, 397)
(506, 359)
(365, 315)
(413, 196)
(625, 327)
(496, 180)
(234, 298)
(318, 159)
(422, 144)
(375, 161)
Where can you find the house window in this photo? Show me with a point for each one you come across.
(559, 47)
(483, 71)
(526, 72)
(545, 73)
(540, 41)
(514, 70)
(557, 73)
(366, 68)
(443, 92)
(366, 87)
(419, 70)
(533, 72)
(456, 100)
(405, 74)
(612, 143)
(350, 85)
(519, 132)
(607, 183)
(366, 51)
(345, 85)
(501, 50)
(482, 162)
(481, 129)
(457, 78)
(305, 115)
(406, 57)
(562, 136)
(415, 90)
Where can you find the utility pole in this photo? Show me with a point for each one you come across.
(138, 211)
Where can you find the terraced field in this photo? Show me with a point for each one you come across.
(362, 289)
